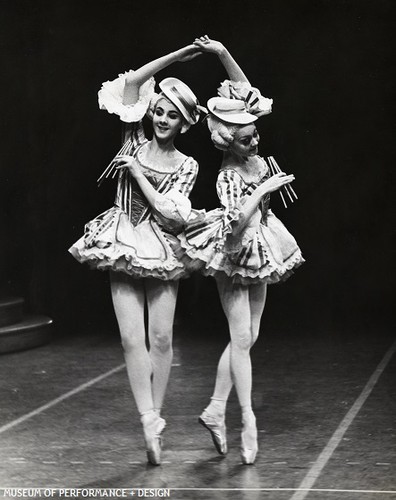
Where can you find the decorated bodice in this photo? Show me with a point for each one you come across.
(129, 196)
(232, 188)
(137, 200)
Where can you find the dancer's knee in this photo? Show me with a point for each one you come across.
(161, 340)
(242, 340)
(131, 343)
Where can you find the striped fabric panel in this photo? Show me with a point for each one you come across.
(204, 230)
(138, 136)
(244, 256)
(125, 181)
(183, 180)
(261, 255)
(194, 230)
(229, 191)
(250, 189)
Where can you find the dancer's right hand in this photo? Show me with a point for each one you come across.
(276, 182)
(126, 161)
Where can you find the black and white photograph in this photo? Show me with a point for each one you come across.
(198, 233)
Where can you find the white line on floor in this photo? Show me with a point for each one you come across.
(314, 490)
(313, 474)
(55, 401)
(304, 490)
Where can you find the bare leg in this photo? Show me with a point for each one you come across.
(257, 298)
(224, 383)
(235, 301)
(161, 301)
(128, 300)
(243, 307)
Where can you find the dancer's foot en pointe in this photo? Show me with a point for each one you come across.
(215, 423)
(153, 425)
(249, 446)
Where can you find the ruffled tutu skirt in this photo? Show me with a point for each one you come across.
(111, 242)
(263, 252)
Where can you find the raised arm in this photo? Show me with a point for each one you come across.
(135, 79)
(234, 71)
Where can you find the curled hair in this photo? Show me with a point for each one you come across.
(222, 134)
(153, 104)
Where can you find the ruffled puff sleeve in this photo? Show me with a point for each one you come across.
(110, 98)
(256, 104)
(173, 208)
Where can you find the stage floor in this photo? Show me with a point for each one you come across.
(325, 404)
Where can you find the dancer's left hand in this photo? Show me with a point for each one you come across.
(187, 53)
(126, 161)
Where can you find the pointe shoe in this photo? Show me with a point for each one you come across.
(153, 425)
(216, 427)
(249, 446)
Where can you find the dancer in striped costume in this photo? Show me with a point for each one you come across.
(136, 239)
(242, 244)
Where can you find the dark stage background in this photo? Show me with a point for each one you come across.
(326, 63)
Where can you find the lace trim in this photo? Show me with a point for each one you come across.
(110, 98)
(212, 264)
(150, 167)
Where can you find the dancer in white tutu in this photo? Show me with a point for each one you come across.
(136, 239)
(242, 244)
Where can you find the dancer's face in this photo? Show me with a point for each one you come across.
(246, 140)
(167, 120)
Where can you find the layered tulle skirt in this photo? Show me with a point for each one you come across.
(111, 242)
(264, 251)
